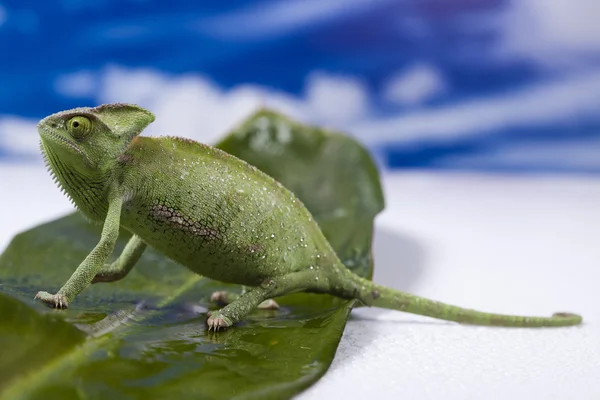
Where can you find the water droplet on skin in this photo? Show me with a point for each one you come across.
(311, 267)
(272, 235)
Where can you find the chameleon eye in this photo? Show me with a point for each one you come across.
(79, 126)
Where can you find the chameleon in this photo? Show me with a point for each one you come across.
(211, 212)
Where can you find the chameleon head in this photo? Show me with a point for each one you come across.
(91, 137)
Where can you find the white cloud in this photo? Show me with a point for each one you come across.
(552, 32)
(19, 135)
(336, 99)
(278, 18)
(414, 85)
(580, 154)
(541, 104)
(189, 105)
(193, 106)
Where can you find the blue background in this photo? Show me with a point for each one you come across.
(475, 57)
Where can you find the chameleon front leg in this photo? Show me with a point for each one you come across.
(227, 297)
(124, 263)
(87, 270)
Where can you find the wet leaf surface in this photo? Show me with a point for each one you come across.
(145, 337)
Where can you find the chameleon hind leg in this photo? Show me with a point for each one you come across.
(243, 305)
(225, 297)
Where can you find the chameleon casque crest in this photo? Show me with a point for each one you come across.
(211, 212)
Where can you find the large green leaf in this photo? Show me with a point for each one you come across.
(144, 336)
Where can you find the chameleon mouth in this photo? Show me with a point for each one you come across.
(47, 134)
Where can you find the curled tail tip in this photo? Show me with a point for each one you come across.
(575, 319)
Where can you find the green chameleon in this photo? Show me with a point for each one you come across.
(211, 212)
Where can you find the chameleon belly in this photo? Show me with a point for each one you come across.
(217, 224)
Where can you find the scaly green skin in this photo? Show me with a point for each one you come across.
(213, 213)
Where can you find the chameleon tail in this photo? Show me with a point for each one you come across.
(396, 300)
(380, 296)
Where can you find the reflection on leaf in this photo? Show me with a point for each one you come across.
(144, 336)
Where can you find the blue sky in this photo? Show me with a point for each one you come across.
(443, 84)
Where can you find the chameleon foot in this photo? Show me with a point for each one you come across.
(52, 300)
(268, 304)
(216, 321)
(223, 297)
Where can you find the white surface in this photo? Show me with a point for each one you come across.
(500, 244)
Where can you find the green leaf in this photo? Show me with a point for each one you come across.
(145, 337)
